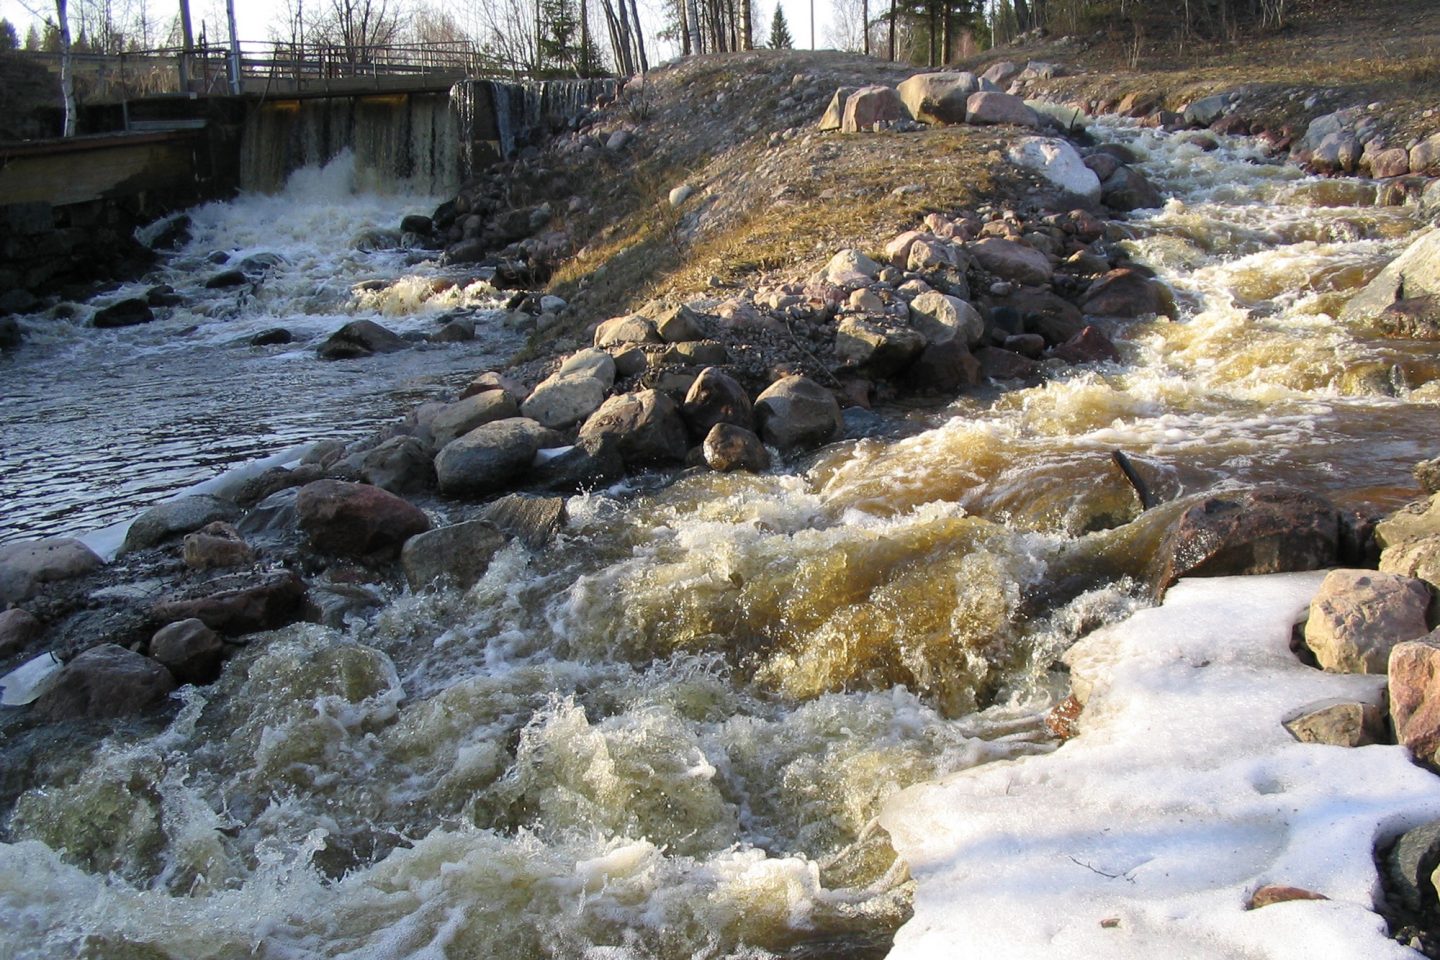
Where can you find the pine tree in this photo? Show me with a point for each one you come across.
(9, 39)
(32, 40)
(780, 38)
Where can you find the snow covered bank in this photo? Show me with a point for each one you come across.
(1146, 836)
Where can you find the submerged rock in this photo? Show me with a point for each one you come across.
(359, 338)
(532, 520)
(126, 313)
(1270, 529)
(457, 555)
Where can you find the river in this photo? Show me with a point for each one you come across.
(670, 733)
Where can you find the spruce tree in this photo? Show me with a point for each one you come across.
(780, 38)
(9, 39)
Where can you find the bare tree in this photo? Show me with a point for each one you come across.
(67, 68)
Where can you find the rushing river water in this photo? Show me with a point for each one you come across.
(669, 733)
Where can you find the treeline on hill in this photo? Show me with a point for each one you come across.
(541, 38)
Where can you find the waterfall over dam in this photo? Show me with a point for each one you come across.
(417, 141)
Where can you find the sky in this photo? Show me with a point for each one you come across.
(255, 17)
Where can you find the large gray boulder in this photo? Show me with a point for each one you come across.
(590, 362)
(646, 427)
(796, 412)
(1414, 273)
(400, 465)
(1358, 616)
(940, 317)
(175, 517)
(459, 418)
(628, 329)
(834, 115)
(489, 458)
(105, 682)
(26, 566)
(938, 98)
(565, 399)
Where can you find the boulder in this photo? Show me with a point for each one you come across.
(680, 194)
(174, 517)
(455, 331)
(459, 418)
(628, 329)
(226, 279)
(1124, 292)
(1002, 73)
(1411, 863)
(274, 336)
(1010, 260)
(10, 333)
(456, 555)
(238, 603)
(869, 107)
(1418, 558)
(1387, 163)
(1414, 273)
(191, 651)
(590, 362)
(400, 465)
(1265, 529)
(695, 353)
(938, 98)
(215, 545)
(1090, 345)
(1339, 722)
(587, 464)
(490, 380)
(850, 269)
(1058, 162)
(834, 115)
(532, 520)
(1414, 670)
(989, 107)
(1413, 318)
(877, 348)
(1000, 364)
(1206, 110)
(1337, 153)
(1427, 474)
(676, 324)
(728, 447)
(357, 520)
(489, 458)
(105, 682)
(796, 412)
(716, 397)
(897, 251)
(26, 566)
(126, 313)
(944, 368)
(646, 426)
(1424, 157)
(940, 318)
(561, 401)
(1359, 615)
(359, 338)
(1419, 520)
(18, 628)
(336, 604)
(1103, 165)
(1128, 189)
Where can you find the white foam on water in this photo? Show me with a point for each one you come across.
(1146, 835)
